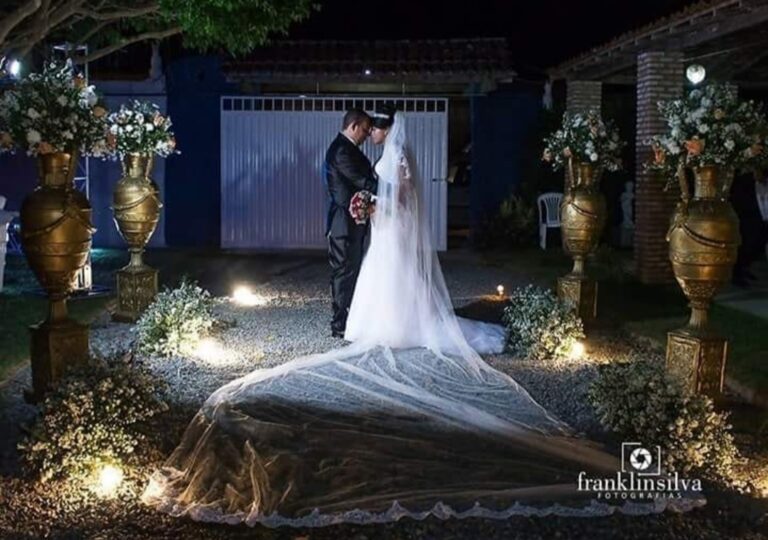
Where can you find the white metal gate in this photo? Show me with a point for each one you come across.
(272, 150)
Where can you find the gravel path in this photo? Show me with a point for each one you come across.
(294, 321)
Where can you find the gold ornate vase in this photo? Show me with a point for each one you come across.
(703, 241)
(582, 219)
(136, 205)
(56, 234)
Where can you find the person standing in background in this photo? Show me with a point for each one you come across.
(751, 225)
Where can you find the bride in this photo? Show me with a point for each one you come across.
(400, 298)
(407, 420)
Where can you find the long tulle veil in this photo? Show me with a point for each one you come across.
(382, 429)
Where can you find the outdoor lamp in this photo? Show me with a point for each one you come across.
(695, 73)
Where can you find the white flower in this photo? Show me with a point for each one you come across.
(62, 100)
(33, 114)
(113, 129)
(703, 128)
(149, 127)
(68, 135)
(729, 144)
(33, 136)
(90, 97)
(593, 156)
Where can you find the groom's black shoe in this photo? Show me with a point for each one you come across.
(338, 334)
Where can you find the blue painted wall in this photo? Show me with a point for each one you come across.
(18, 177)
(193, 179)
(501, 123)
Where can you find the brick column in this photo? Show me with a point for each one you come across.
(659, 77)
(583, 95)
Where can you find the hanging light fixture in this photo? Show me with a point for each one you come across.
(695, 73)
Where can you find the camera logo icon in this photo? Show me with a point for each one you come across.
(639, 459)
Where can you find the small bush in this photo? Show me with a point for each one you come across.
(640, 401)
(176, 320)
(539, 325)
(514, 225)
(95, 414)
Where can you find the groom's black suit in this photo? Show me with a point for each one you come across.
(346, 172)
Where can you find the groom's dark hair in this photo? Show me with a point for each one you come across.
(355, 116)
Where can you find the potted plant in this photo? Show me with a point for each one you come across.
(137, 133)
(585, 146)
(56, 118)
(713, 133)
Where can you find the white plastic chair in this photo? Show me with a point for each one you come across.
(549, 215)
(5, 218)
(761, 191)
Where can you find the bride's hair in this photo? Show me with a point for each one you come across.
(384, 116)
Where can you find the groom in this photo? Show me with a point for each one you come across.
(346, 171)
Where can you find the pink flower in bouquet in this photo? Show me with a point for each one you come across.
(45, 148)
(361, 206)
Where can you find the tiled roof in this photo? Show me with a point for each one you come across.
(376, 60)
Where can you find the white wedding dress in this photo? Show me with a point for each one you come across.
(408, 420)
(400, 298)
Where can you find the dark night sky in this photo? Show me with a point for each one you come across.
(540, 32)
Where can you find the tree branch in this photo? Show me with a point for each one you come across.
(64, 13)
(93, 31)
(122, 14)
(104, 51)
(40, 27)
(16, 17)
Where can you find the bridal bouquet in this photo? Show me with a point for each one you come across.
(584, 138)
(139, 128)
(53, 111)
(361, 206)
(709, 126)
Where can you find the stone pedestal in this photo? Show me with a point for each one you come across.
(55, 347)
(136, 290)
(698, 360)
(581, 292)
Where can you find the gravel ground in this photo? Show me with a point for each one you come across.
(294, 321)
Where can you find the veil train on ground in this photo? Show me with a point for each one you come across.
(408, 420)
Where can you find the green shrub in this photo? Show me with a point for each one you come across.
(640, 401)
(513, 225)
(95, 414)
(539, 325)
(176, 320)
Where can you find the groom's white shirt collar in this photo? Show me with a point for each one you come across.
(349, 138)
